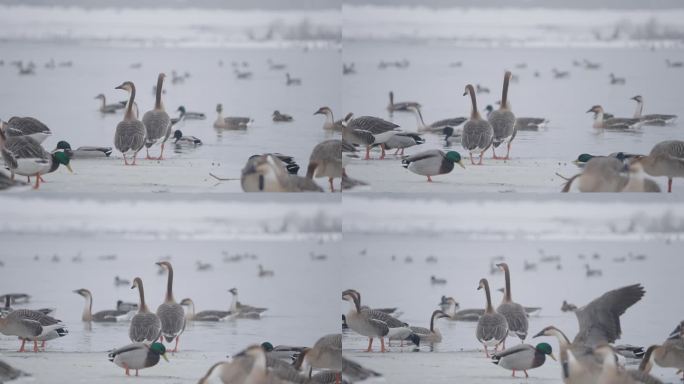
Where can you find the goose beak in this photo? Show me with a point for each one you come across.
(539, 334)
(167, 359)
(461, 164)
(553, 357)
(465, 93)
(119, 87)
(590, 110)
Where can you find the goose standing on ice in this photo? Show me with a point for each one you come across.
(666, 159)
(129, 137)
(108, 108)
(515, 314)
(432, 162)
(492, 327)
(400, 106)
(326, 161)
(30, 325)
(477, 132)
(170, 313)
(614, 122)
(157, 122)
(230, 122)
(27, 126)
(651, 119)
(380, 129)
(503, 121)
(145, 325)
(98, 317)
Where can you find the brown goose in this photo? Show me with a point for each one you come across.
(129, 137)
(666, 159)
(145, 325)
(503, 121)
(477, 133)
(157, 122)
(170, 313)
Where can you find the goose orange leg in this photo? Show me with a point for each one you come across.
(370, 345)
(175, 348)
(37, 185)
(23, 342)
(161, 155)
(367, 153)
(382, 345)
(332, 188)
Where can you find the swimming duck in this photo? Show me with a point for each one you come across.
(109, 108)
(432, 162)
(281, 117)
(619, 123)
(138, 356)
(184, 114)
(208, 315)
(180, 139)
(523, 357)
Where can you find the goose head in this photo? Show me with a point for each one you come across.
(164, 264)
(126, 86)
(100, 96)
(83, 292)
(469, 90)
(596, 109)
(137, 282)
(323, 111)
(219, 108)
(483, 283)
(638, 98)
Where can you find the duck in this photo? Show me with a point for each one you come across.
(138, 356)
(275, 66)
(29, 325)
(170, 313)
(185, 141)
(380, 129)
(600, 174)
(16, 298)
(83, 152)
(330, 124)
(243, 310)
(326, 353)
(208, 315)
(614, 80)
(98, 317)
(674, 64)
(281, 117)
(432, 162)
(492, 327)
(599, 323)
(108, 108)
(619, 123)
(348, 69)
(584, 158)
(290, 81)
(437, 126)
(478, 133)
(129, 137)
(481, 89)
(651, 119)
(268, 173)
(157, 122)
(400, 106)
(326, 161)
(188, 115)
(374, 324)
(26, 126)
(560, 74)
(515, 314)
(230, 122)
(434, 280)
(592, 272)
(25, 156)
(265, 272)
(523, 357)
(502, 121)
(665, 159)
(568, 307)
(126, 307)
(431, 335)
(119, 281)
(452, 136)
(145, 325)
(403, 140)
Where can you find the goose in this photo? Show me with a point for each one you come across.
(130, 132)
(432, 162)
(29, 325)
(25, 156)
(273, 66)
(613, 122)
(651, 119)
(560, 74)
(523, 357)
(437, 126)
(380, 129)
(614, 80)
(400, 106)
(269, 173)
(492, 327)
(187, 115)
(359, 137)
(230, 122)
(567, 307)
(28, 70)
(157, 122)
(600, 174)
(403, 140)
(449, 305)
(16, 298)
(208, 315)
(289, 81)
(431, 335)
(84, 151)
(674, 64)
(265, 272)
(145, 325)
(613, 373)
(599, 323)
(119, 281)
(281, 117)
(330, 124)
(326, 161)
(170, 313)
(477, 133)
(283, 371)
(525, 123)
(637, 182)
(27, 126)
(108, 108)
(185, 141)
(592, 272)
(248, 366)
(670, 354)
(9, 373)
(665, 159)
(589, 65)
(481, 89)
(437, 281)
(502, 121)
(243, 310)
(326, 353)
(98, 317)
(372, 323)
(348, 69)
(515, 314)
(138, 356)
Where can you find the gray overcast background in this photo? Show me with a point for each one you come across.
(327, 4)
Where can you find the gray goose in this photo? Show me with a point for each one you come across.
(669, 354)
(651, 119)
(326, 161)
(492, 327)
(437, 126)
(29, 325)
(432, 334)
(157, 122)
(208, 315)
(326, 353)
(27, 126)
(477, 133)
(503, 121)
(400, 106)
(109, 108)
(267, 173)
(666, 159)
(362, 321)
(515, 314)
(145, 325)
(129, 137)
(248, 366)
(97, 317)
(380, 129)
(617, 123)
(599, 323)
(170, 313)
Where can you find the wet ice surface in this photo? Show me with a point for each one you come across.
(386, 283)
(536, 156)
(63, 99)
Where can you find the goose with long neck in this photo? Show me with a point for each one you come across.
(670, 354)
(400, 106)
(98, 317)
(208, 315)
(157, 122)
(363, 322)
(492, 327)
(129, 137)
(477, 133)
(108, 108)
(326, 161)
(503, 121)
(326, 353)
(330, 124)
(617, 123)
(651, 119)
(437, 126)
(170, 313)
(432, 334)
(230, 122)
(145, 325)
(666, 159)
(237, 308)
(515, 314)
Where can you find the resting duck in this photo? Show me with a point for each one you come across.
(138, 356)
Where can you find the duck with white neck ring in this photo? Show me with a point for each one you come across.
(129, 137)
(477, 133)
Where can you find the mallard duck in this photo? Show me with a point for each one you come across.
(180, 139)
(25, 156)
(138, 356)
(83, 152)
(27, 126)
(432, 162)
(523, 357)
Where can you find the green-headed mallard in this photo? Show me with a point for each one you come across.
(25, 156)
(523, 357)
(432, 162)
(138, 356)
